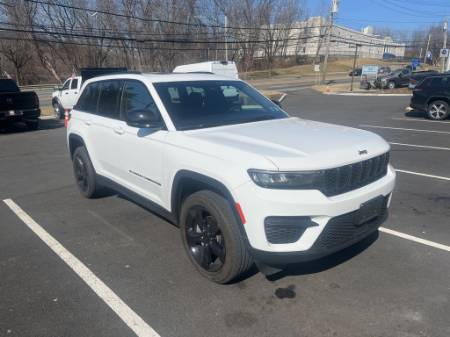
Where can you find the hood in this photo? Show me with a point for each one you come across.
(289, 144)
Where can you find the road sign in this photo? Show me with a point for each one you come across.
(317, 68)
(444, 52)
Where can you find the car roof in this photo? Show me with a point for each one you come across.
(163, 77)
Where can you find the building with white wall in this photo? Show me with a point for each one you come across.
(308, 38)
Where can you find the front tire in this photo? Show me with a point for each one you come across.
(58, 109)
(212, 237)
(438, 110)
(84, 173)
(391, 85)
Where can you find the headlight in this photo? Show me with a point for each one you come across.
(305, 180)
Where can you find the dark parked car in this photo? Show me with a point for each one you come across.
(397, 78)
(355, 72)
(419, 76)
(16, 106)
(432, 95)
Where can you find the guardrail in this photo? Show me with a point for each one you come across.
(37, 86)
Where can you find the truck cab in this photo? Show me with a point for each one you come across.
(66, 96)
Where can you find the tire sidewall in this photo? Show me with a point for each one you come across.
(81, 153)
(218, 207)
(430, 116)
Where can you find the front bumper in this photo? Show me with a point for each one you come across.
(259, 203)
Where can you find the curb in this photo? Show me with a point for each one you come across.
(367, 95)
(47, 117)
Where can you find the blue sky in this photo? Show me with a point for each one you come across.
(396, 14)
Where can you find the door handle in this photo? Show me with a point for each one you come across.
(119, 131)
(75, 92)
(87, 123)
(66, 93)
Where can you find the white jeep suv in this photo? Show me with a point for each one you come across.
(244, 181)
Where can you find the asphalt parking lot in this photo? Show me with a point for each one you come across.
(389, 285)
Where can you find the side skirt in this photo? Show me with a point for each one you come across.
(138, 199)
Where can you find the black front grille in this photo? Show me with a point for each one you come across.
(347, 228)
(350, 177)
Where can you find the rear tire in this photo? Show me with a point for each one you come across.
(212, 237)
(438, 110)
(59, 111)
(84, 173)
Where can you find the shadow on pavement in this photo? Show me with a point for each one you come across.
(328, 262)
(415, 114)
(45, 124)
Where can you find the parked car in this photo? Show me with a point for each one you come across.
(419, 76)
(432, 96)
(242, 179)
(355, 72)
(17, 106)
(397, 78)
(384, 70)
(64, 97)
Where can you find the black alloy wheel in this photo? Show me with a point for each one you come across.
(205, 240)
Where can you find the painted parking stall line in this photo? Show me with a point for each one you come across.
(125, 313)
(423, 175)
(402, 129)
(415, 239)
(422, 146)
(418, 120)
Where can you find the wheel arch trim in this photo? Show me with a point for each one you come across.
(175, 199)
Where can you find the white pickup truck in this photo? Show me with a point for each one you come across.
(64, 97)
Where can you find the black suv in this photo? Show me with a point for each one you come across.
(432, 95)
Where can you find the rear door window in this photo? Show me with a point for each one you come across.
(109, 98)
(74, 84)
(89, 98)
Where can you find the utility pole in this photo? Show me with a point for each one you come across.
(426, 50)
(226, 44)
(444, 59)
(354, 65)
(333, 11)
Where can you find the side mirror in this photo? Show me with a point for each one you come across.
(277, 102)
(142, 119)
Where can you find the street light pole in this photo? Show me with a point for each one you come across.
(333, 11)
(226, 44)
(426, 50)
(445, 44)
(354, 65)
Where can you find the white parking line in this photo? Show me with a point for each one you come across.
(422, 146)
(423, 174)
(130, 318)
(402, 129)
(418, 120)
(415, 239)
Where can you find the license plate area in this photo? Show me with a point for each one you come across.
(370, 210)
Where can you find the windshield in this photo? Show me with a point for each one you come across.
(203, 104)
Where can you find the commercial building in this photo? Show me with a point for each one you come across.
(309, 37)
